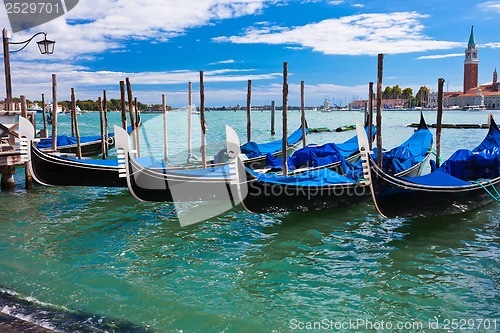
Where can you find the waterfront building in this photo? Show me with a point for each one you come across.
(473, 96)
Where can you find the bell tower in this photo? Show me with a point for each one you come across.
(495, 81)
(471, 63)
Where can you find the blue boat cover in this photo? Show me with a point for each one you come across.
(110, 162)
(319, 177)
(150, 162)
(64, 140)
(315, 156)
(467, 165)
(491, 140)
(408, 154)
(252, 149)
(472, 165)
(437, 178)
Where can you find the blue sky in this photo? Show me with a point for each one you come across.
(331, 45)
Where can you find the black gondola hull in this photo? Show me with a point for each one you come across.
(399, 197)
(394, 197)
(169, 185)
(55, 171)
(265, 197)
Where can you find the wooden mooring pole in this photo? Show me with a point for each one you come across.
(106, 127)
(54, 112)
(136, 113)
(285, 119)
(439, 122)
(370, 115)
(122, 102)
(190, 117)
(73, 114)
(75, 120)
(131, 111)
(44, 132)
(202, 122)
(165, 128)
(101, 122)
(273, 117)
(379, 108)
(8, 182)
(249, 111)
(303, 113)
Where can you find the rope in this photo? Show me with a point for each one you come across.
(491, 184)
(434, 152)
(496, 198)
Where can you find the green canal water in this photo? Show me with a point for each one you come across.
(97, 260)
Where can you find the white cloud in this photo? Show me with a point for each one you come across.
(229, 61)
(393, 33)
(336, 2)
(491, 45)
(490, 5)
(32, 79)
(440, 56)
(95, 26)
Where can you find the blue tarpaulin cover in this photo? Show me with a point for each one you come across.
(414, 149)
(408, 154)
(314, 155)
(319, 177)
(466, 165)
(64, 140)
(252, 149)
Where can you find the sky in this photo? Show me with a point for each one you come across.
(331, 45)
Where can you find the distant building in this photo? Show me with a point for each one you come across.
(388, 104)
(472, 96)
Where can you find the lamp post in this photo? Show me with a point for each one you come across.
(45, 46)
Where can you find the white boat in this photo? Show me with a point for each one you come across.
(474, 108)
(35, 107)
(49, 108)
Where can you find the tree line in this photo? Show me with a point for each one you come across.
(87, 105)
(395, 92)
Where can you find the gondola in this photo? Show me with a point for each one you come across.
(254, 155)
(324, 188)
(57, 169)
(468, 180)
(89, 145)
(53, 170)
(315, 156)
(150, 180)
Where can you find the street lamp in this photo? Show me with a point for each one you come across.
(45, 46)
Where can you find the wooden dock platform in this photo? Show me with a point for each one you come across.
(10, 150)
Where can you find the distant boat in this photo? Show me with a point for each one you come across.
(35, 107)
(49, 108)
(78, 110)
(474, 108)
